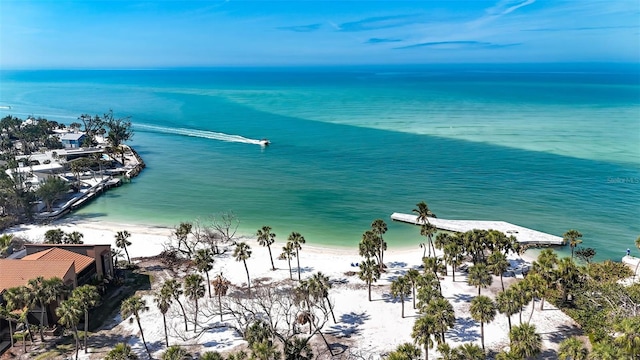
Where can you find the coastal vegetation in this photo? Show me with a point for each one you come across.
(37, 169)
(280, 319)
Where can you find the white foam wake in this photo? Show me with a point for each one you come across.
(200, 134)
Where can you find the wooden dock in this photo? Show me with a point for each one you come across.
(522, 234)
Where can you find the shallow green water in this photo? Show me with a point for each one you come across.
(550, 151)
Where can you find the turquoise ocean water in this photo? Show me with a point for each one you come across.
(551, 147)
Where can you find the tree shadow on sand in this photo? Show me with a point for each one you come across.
(462, 298)
(547, 354)
(561, 333)
(391, 277)
(388, 298)
(464, 330)
(397, 264)
(349, 325)
(303, 270)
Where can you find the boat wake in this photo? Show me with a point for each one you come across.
(201, 134)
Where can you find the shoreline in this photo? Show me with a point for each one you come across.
(371, 333)
(148, 240)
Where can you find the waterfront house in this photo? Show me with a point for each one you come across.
(100, 254)
(72, 140)
(75, 264)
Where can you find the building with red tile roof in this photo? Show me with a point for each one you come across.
(74, 264)
(15, 273)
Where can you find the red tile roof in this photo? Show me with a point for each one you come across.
(18, 272)
(80, 261)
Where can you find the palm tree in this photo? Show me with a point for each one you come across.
(453, 255)
(523, 296)
(211, 355)
(423, 211)
(568, 275)
(39, 294)
(115, 254)
(537, 287)
(20, 298)
(267, 238)
(412, 276)
(507, 355)
(73, 238)
(122, 241)
(379, 227)
(423, 329)
(86, 296)
(405, 351)
(319, 286)
(435, 266)
(427, 230)
(423, 214)
(525, 343)
(220, 287)
(241, 253)
(474, 243)
(469, 351)
(447, 352)
(288, 252)
(175, 352)
(194, 290)
(297, 349)
(443, 312)
(479, 276)
(573, 237)
(507, 304)
(544, 266)
(69, 313)
(629, 340)
(45, 292)
(204, 264)
(369, 245)
(369, 273)
(482, 309)
(174, 288)
(401, 287)
(265, 351)
(239, 355)
(297, 240)
(8, 316)
(498, 264)
(302, 294)
(572, 349)
(5, 242)
(606, 350)
(163, 300)
(428, 289)
(122, 351)
(134, 305)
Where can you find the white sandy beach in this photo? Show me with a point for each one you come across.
(373, 328)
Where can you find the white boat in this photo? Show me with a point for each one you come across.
(265, 142)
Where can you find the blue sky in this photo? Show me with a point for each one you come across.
(152, 34)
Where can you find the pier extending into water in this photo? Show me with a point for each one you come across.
(522, 234)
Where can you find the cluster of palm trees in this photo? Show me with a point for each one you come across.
(372, 248)
(57, 236)
(41, 293)
(308, 292)
(549, 277)
(487, 251)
